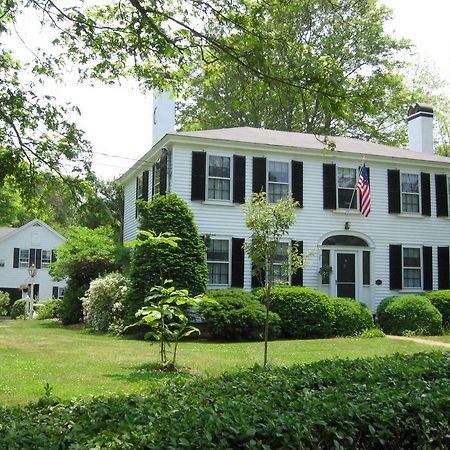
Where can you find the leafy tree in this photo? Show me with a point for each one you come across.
(269, 223)
(84, 256)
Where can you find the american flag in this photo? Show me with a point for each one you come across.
(364, 191)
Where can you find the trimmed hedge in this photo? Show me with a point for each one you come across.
(441, 301)
(351, 317)
(409, 313)
(18, 309)
(400, 402)
(238, 315)
(50, 309)
(304, 312)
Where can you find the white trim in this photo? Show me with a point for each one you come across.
(289, 182)
(419, 194)
(412, 288)
(207, 177)
(355, 189)
(221, 238)
(357, 268)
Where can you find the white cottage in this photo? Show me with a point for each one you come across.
(33, 243)
(401, 247)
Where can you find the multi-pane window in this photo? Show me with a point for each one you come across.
(24, 257)
(278, 181)
(219, 177)
(280, 273)
(156, 179)
(218, 260)
(346, 188)
(412, 272)
(410, 193)
(46, 258)
(60, 292)
(140, 187)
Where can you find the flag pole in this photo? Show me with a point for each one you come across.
(356, 185)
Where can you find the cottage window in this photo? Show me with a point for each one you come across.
(46, 258)
(410, 193)
(346, 191)
(24, 257)
(219, 178)
(218, 260)
(278, 181)
(157, 178)
(280, 272)
(412, 267)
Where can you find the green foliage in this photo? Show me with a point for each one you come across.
(4, 303)
(238, 315)
(391, 402)
(371, 333)
(304, 312)
(18, 309)
(409, 313)
(72, 308)
(152, 263)
(441, 301)
(50, 309)
(103, 302)
(351, 317)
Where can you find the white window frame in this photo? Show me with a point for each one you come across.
(208, 176)
(287, 281)
(221, 238)
(22, 262)
(46, 265)
(289, 182)
(140, 186)
(419, 194)
(60, 292)
(156, 175)
(355, 189)
(412, 288)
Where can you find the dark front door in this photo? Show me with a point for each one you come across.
(345, 276)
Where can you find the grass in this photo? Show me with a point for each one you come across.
(77, 363)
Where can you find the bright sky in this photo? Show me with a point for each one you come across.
(117, 119)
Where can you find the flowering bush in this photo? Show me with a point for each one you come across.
(102, 303)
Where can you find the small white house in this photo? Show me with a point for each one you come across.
(33, 243)
(402, 246)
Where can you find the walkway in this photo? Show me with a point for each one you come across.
(418, 340)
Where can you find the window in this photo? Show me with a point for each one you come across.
(219, 177)
(412, 271)
(366, 268)
(218, 260)
(346, 190)
(24, 257)
(2, 263)
(278, 181)
(60, 292)
(410, 193)
(140, 187)
(325, 270)
(46, 258)
(280, 273)
(156, 178)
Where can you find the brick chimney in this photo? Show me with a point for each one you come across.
(420, 128)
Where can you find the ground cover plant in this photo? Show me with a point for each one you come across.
(328, 404)
(78, 363)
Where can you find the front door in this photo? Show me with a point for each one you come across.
(345, 275)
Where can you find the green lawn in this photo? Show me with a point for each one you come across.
(76, 363)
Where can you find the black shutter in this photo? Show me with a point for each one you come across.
(38, 258)
(256, 281)
(237, 263)
(32, 259)
(329, 186)
(53, 256)
(259, 175)
(425, 192)
(238, 179)
(427, 257)
(297, 277)
(297, 182)
(55, 292)
(16, 258)
(394, 191)
(198, 178)
(395, 267)
(441, 196)
(443, 268)
(163, 174)
(145, 185)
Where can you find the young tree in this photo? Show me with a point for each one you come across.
(269, 223)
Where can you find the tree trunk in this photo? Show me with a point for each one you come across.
(266, 332)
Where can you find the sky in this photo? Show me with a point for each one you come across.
(117, 119)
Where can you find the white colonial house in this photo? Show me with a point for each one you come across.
(33, 243)
(401, 247)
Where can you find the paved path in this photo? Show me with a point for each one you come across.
(418, 340)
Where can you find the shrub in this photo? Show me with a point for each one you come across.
(371, 333)
(71, 308)
(409, 313)
(304, 312)
(238, 315)
(49, 309)
(152, 264)
(102, 303)
(351, 317)
(4, 303)
(441, 301)
(394, 402)
(18, 309)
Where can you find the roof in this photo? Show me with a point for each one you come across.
(12, 231)
(4, 231)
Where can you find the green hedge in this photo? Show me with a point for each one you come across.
(351, 317)
(409, 313)
(238, 315)
(50, 309)
(18, 309)
(400, 402)
(305, 313)
(441, 301)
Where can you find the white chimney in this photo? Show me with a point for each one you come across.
(163, 115)
(420, 128)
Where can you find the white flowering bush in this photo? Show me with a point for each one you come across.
(102, 303)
